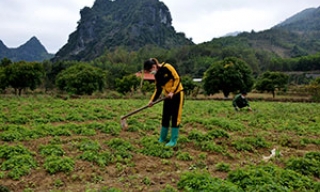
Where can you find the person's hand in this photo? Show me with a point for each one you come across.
(150, 104)
(170, 95)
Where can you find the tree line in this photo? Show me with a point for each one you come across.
(116, 71)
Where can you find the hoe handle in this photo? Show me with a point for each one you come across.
(142, 108)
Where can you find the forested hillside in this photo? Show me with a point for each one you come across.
(32, 50)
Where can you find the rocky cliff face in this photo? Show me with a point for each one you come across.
(128, 23)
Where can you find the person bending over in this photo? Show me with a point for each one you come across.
(167, 82)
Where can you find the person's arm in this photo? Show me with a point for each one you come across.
(176, 79)
(156, 94)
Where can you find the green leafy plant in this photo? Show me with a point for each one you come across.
(119, 144)
(250, 143)
(112, 128)
(224, 167)
(146, 181)
(88, 145)
(54, 164)
(169, 188)
(59, 131)
(47, 150)
(152, 147)
(218, 133)
(203, 181)
(2, 174)
(209, 146)
(17, 133)
(58, 183)
(308, 165)
(19, 165)
(4, 188)
(184, 156)
(263, 177)
(8, 151)
(109, 189)
(228, 125)
(101, 159)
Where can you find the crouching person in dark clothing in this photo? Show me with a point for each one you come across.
(240, 101)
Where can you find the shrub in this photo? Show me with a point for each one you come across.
(314, 89)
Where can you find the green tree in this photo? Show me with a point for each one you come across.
(5, 62)
(188, 84)
(53, 69)
(147, 87)
(314, 89)
(22, 75)
(272, 81)
(229, 75)
(127, 84)
(81, 79)
(201, 64)
(3, 79)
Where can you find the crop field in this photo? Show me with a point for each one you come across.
(49, 144)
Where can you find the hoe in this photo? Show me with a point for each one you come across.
(123, 120)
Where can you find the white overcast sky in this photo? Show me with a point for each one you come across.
(52, 21)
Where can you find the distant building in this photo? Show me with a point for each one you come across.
(150, 77)
(146, 76)
(313, 75)
(197, 80)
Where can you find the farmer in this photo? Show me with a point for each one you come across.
(167, 81)
(240, 101)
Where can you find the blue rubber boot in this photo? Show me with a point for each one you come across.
(174, 137)
(163, 134)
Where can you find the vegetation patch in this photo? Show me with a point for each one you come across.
(54, 164)
(272, 148)
(308, 165)
(152, 147)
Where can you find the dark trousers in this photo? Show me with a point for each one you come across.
(172, 110)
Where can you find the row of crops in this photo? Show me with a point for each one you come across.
(49, 144)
